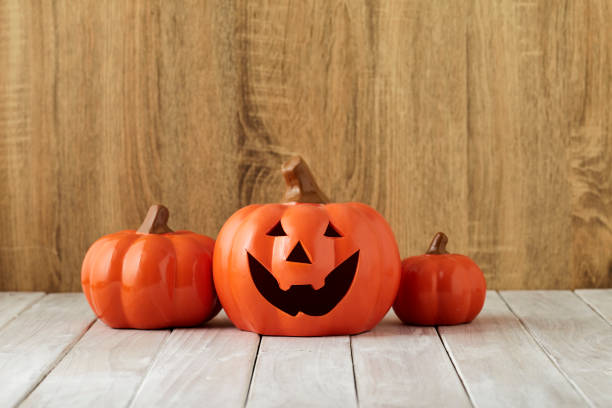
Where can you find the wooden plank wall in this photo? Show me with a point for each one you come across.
(490, 121)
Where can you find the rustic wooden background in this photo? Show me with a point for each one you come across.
(489, 120)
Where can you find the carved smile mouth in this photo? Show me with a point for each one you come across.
(304, 298)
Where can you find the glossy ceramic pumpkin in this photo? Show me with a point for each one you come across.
(303, 267)
(151, 278)
(439, 288)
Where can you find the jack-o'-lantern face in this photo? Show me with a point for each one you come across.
(306, 269)
(315, 286)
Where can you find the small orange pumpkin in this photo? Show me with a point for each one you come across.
(439, 288)
(304, 267)
(151, 278)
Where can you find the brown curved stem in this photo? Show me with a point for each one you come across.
(438, 244)
(301, 186)
(156, 221)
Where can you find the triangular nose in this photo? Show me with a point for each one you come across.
(298, 254)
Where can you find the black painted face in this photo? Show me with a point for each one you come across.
(304, 298)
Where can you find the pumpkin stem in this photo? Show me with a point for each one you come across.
(438, 244)
(156, 221)
(301, 185)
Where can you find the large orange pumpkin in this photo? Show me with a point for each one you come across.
(439, 288)
(151, 278)
(303, 267)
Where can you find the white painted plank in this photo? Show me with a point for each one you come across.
(204, 366)
(32, 343)
(600, 300)
(104, 369)
(502, 365)
(13, 303)
(303, 372)
(574, 336)
(399, 366)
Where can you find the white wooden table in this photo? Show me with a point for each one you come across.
(527, 348)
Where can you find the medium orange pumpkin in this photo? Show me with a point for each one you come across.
(439, 288)
(303, 267)
(151, 278)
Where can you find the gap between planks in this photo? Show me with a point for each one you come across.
(246, 399)
(353, 365)
(452, 360)
(600, 300)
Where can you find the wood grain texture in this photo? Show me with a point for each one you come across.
(540, 209)
(31, 344)
(115, 109)
(13, 303)
(399, 366)
(600, 300)
(303, 372)
(328, 80)
(589, 151)
(104, 369)
(577, 339)
(210, 365)
(501, 364)
(490, 121)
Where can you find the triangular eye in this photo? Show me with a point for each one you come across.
(277, 231)
(331, 232)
